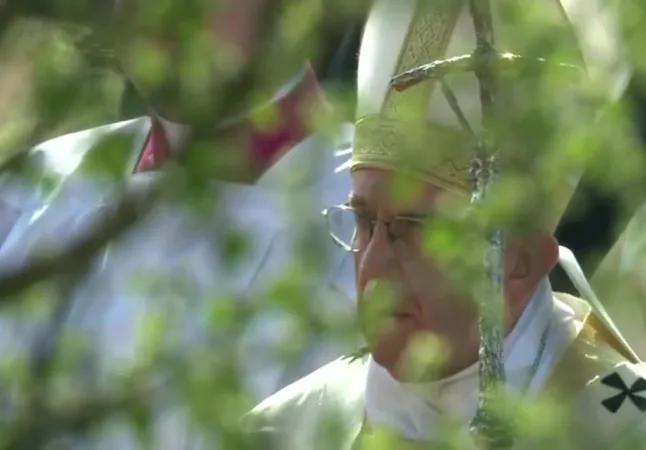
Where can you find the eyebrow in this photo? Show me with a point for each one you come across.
(361, 205)
(358, 203)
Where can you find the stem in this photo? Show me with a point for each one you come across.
(486, 424)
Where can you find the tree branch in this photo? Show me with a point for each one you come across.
(34, 428)
(126, 212)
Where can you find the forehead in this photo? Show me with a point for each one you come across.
(383, 190)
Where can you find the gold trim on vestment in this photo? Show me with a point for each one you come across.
(593, 352)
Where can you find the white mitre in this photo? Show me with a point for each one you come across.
(416, 130)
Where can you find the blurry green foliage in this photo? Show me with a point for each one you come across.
(49, 86)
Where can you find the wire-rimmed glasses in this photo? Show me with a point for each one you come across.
(351, 230)
(342, 225)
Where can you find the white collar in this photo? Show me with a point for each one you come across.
(414, 410)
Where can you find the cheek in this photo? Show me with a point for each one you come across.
(390, 349)
(515, 264)
(356, 257)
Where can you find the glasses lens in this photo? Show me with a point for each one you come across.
(342, 226)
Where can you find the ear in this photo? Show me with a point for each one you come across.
(546, 251)
(527, 261)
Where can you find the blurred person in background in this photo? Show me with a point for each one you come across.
(172, 263)
(418, 377)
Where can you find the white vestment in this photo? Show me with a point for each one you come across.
(530, 352)
(168, 265)
(346, 393)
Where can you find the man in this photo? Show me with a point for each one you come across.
(157, 140)
(170, 266)
(555, 346)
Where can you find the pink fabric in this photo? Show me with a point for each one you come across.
(266, 146)
(155, 150)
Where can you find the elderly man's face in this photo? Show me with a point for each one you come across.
(424, 299)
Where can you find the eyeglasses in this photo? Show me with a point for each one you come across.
(352, 230)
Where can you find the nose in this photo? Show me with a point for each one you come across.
(377, 260)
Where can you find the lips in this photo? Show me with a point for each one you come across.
(394, 313)
(405, 309)
(402, 315)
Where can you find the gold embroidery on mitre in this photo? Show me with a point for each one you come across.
(401, 137)
(426, 41)
(437, 154)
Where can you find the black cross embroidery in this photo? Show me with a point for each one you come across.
(613, 403)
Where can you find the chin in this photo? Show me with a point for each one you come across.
(389, 361)
(389, 353)
(393, 353)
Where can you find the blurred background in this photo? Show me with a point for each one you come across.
(139, 313)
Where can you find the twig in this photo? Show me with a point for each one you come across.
(46, 343)
(486, 71)
(126, 212)
(35, 427)
(486, 424)
(457, 110)
(466, 63)
(93, 13)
